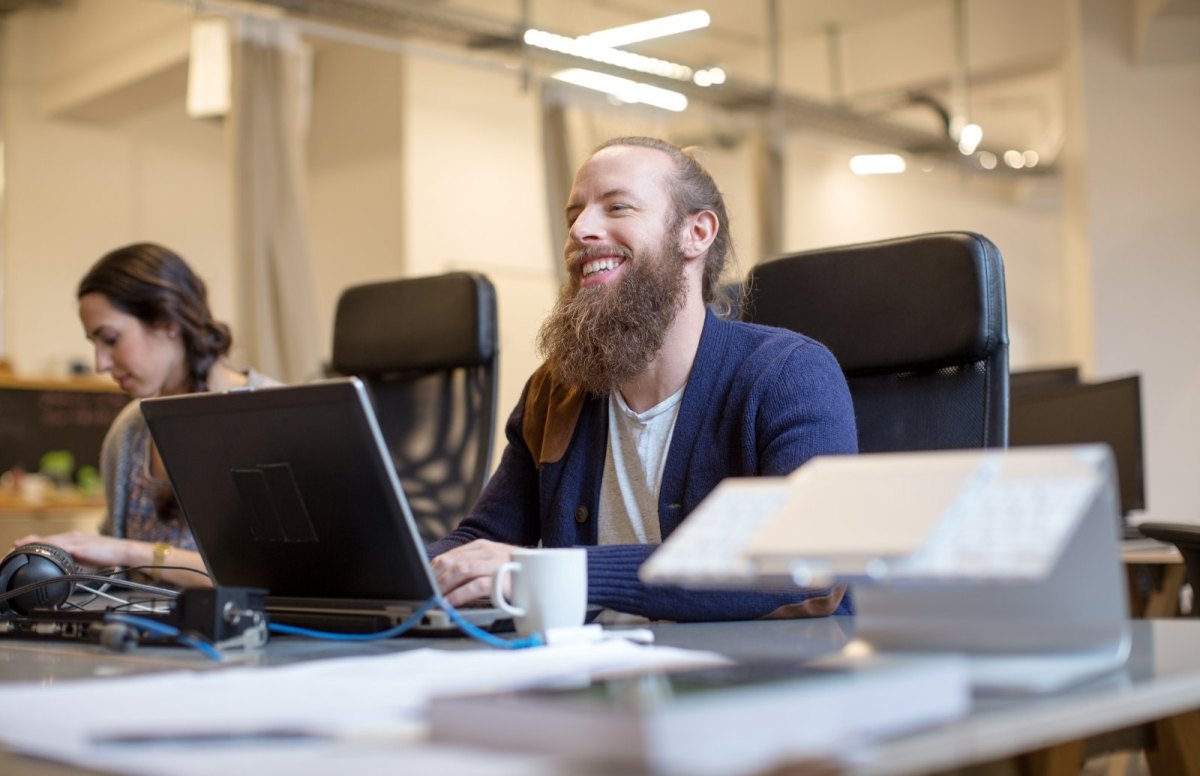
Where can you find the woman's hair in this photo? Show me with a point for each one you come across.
(157, 287)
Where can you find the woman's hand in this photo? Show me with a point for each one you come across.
(96, 551)
(465, 573)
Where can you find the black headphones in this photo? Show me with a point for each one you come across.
(30, 564)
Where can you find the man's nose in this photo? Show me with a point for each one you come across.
(588, 226)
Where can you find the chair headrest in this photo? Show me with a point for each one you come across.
(921, 302)
(437, 322)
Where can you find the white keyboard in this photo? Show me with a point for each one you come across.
(1001, 528)
(997, 527)
(707, 549)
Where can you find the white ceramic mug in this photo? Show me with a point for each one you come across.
(549, 588)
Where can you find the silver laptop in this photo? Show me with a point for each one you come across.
(292, 490)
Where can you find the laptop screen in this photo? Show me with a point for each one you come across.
(291, 489)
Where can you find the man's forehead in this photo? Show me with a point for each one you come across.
(625, 168)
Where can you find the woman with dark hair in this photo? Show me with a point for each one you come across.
(146, 314)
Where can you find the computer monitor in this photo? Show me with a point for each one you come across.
(1109, 412)
(1032, 380)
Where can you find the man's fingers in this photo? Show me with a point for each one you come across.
(480, 587)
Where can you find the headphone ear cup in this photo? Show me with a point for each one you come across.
(36, 562)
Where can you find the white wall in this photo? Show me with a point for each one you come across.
(1141, 201)
(826, 205)
(77, 188)
(356, 174)
(474, 190)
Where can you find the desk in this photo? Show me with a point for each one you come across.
(1156, 574)
(1160, 687)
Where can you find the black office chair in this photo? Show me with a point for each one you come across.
(918, 325)
(1185, 536)
(428, 349)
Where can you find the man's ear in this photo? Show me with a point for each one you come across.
(700, 230)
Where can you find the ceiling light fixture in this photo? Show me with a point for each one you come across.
(579, 47)
(623, 89)
(877, 164)
(709, 77)
(650, 29)
(969, 139)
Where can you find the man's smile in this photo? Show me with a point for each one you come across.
(599, 265)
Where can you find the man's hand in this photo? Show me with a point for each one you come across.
(465, 573)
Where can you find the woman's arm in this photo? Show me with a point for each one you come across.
(97, 551)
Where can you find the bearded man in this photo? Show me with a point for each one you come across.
(647, 399)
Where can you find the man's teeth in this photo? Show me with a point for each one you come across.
(598, 265)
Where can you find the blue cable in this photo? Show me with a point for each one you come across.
(408, 624)
(162, 629)
(479, 634)
(473, 631)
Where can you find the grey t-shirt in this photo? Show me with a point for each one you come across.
(633, 468)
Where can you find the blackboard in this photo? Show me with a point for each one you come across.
(37, 418)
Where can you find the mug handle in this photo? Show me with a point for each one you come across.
(498, 599)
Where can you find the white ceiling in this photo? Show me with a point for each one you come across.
(872, 54)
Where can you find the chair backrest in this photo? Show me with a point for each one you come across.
(918, 325)
(1185, 536)
(428, 349)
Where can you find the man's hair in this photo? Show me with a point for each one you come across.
(692, 190)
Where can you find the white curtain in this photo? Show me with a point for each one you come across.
(271, 97)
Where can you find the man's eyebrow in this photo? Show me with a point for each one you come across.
(610, 194)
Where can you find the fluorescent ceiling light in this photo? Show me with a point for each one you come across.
(585, 49)
(877, 164)
(624, 89)
(648, 30)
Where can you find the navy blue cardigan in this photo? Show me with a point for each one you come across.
(759, 401)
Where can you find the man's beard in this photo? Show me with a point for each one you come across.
(598, 337)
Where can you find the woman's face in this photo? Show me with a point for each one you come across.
(144, 360)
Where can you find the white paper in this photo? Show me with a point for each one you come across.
(369, 710)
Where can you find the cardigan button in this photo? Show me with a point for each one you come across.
(581, 515)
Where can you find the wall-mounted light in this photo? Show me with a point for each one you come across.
(877, 164)
(650, 29)
(624, 89)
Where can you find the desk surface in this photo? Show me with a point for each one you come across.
(1161, 679)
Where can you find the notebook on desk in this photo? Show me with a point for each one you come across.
(291, 490)
(1009, 555)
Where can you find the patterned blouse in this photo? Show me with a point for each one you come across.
(142, 520)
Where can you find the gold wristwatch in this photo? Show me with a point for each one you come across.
(159, 558)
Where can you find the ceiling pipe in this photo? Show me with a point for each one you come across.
(959, 108)
(481, 41)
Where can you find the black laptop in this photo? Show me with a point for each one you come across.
(292, 490)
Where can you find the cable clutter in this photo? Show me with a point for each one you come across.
(44, 595)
